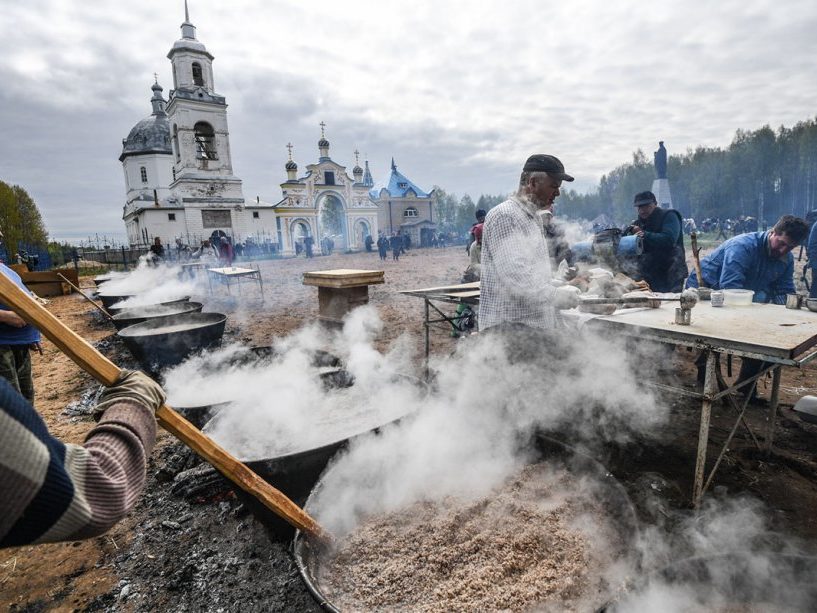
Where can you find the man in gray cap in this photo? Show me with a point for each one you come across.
(517, 294)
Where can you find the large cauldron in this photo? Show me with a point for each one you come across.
(727, 582)
(128, 317)
(296, 470)
(115, 310)
(108, 300)
(169, 340)
(611, 496)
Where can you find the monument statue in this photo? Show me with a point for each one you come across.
(660, 157)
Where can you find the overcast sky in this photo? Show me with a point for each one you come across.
(458, 92)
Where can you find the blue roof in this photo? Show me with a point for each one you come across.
(397, 185)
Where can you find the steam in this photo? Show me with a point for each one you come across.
(152, 285)
(472, 433)
(465, 435)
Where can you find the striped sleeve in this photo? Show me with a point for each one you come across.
(50, 491)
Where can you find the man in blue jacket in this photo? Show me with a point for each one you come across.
(16, 339)
(759, 261)
(811, 252)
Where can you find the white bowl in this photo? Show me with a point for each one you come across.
(737, 297)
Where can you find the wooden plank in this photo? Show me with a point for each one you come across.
(765, 329)
(444, 289)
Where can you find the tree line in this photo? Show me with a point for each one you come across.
(762, 174)
(20, 221)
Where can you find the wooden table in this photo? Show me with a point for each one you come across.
(341, 290)
(771, 333)
(234, 275)
(462, 293)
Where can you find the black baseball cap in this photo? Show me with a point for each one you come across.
(541, 162)
(644, 198)
(481, 213)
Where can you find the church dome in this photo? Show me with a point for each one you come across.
(151, 135)
(290, 165)
(357, 170)
(323, 143)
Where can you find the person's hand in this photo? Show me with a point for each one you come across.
(566, 297)
(134, 386)
(12, 319)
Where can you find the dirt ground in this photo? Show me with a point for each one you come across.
(179, 551)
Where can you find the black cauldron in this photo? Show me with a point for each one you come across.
(128, 317)
(108, 300)
(297, 468)
(610, 494)
(157, 344)
(114, 310)
(100, 279)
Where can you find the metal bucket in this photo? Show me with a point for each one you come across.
(128, 317)
(169, 340)
(611, 495)
(729, 582)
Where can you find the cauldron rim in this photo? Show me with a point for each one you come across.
(302, 550)
(199, 320)
(143, 313)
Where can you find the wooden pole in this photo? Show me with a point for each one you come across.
(693, 240)
(81, 293)
(106, 372)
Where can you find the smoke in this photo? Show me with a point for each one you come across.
(473, 431)
(152, 285)
(467, 433)
(722, 557)
(291, 402)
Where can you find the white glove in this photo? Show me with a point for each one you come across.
(566, 297)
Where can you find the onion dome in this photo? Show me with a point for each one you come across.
(323, 143)
(290, 165)
(152, 134)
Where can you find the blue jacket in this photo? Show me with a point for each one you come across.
(9, 335)
(743, 262)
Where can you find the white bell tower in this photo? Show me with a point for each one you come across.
(202, 165)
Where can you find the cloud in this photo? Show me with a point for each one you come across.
(459, 94)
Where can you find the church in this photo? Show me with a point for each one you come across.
(180, 183)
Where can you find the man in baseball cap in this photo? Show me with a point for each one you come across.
(516, 292)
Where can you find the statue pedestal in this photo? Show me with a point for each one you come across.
(660, 187)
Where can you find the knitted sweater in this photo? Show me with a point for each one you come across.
(52, 491)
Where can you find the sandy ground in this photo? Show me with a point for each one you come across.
(201, 563)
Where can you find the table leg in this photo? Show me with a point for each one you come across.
(710, 387)
(428, 343)
(773, 403)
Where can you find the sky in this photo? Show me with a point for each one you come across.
(459, 93)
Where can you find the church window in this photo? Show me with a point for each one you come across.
(410, 212)
(198, 79)
(144, 172)
(255, 215)
(205, 141)
(174, 173)
(329, 177)
(176, 143)
(402, 185)
(171, 216)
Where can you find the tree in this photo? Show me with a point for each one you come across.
(445, 209)
(20, 220)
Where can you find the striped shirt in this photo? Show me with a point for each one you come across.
(52, 491)
(515, 282)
